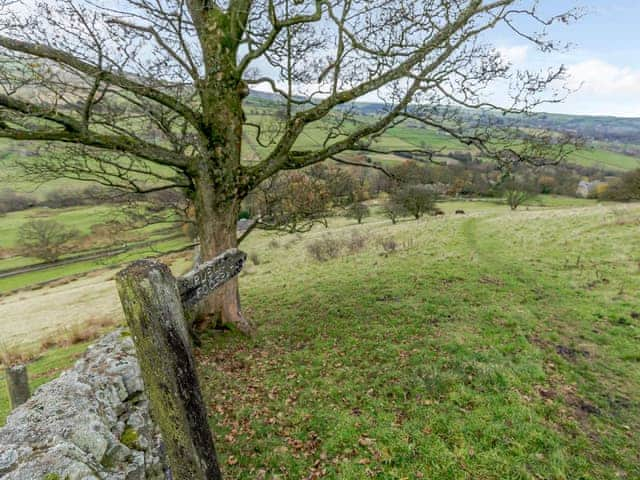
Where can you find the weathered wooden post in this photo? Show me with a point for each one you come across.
(154, 304)
(18, 385)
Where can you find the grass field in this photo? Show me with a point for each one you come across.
(80, 268)
(494, 345)
(77, 218)
(82, 219)
(407, 138)
(402, 137)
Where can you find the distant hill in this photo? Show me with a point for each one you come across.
(598, 128)
(613, 144)
(607, 129)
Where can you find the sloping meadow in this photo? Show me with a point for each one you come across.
(491, 345)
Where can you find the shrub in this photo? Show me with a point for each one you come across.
(254, 258)
(601, 190)
(62, 199)
(515, 197)
(464, 157)
(516, 193)
(627, 188)
(325, 248)
(393, 210)
(388, 244)
(546, 184)
(356, 243)
(11, 201)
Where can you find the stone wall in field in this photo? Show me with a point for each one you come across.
(91, 423)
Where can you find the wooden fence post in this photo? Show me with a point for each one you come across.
(154, 304)
(18, 385)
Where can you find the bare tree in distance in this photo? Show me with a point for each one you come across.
(415, 200)
(150, 94)
(45, 239)
(516, 192)
(358, 211)
(393, 211)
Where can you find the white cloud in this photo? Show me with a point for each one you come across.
(516, 55)
(602, 89)
(603, 79)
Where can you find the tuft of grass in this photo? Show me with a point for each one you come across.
(255, 258)
(12, 355)
(88, 330)
(324, 249)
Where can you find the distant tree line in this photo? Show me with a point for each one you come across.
(295, 201)
(625, 188)
(12, 201)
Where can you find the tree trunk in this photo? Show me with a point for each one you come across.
(217, 224)
(218, 175)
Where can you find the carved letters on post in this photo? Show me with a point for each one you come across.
(207, 277)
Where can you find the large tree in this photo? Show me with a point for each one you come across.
(132, 90)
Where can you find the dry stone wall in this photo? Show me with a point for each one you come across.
(92, 422)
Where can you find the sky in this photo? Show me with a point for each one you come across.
(604, 61)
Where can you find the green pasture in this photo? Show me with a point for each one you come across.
(489, 345)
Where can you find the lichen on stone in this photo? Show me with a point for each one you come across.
(129, 438)
(51, 476)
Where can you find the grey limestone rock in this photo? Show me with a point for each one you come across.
(80, 426)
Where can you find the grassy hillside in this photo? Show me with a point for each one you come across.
(492, 345)
(144, 241)
(408, 137)
(263, 111)
(496, 345)
(588, 156)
